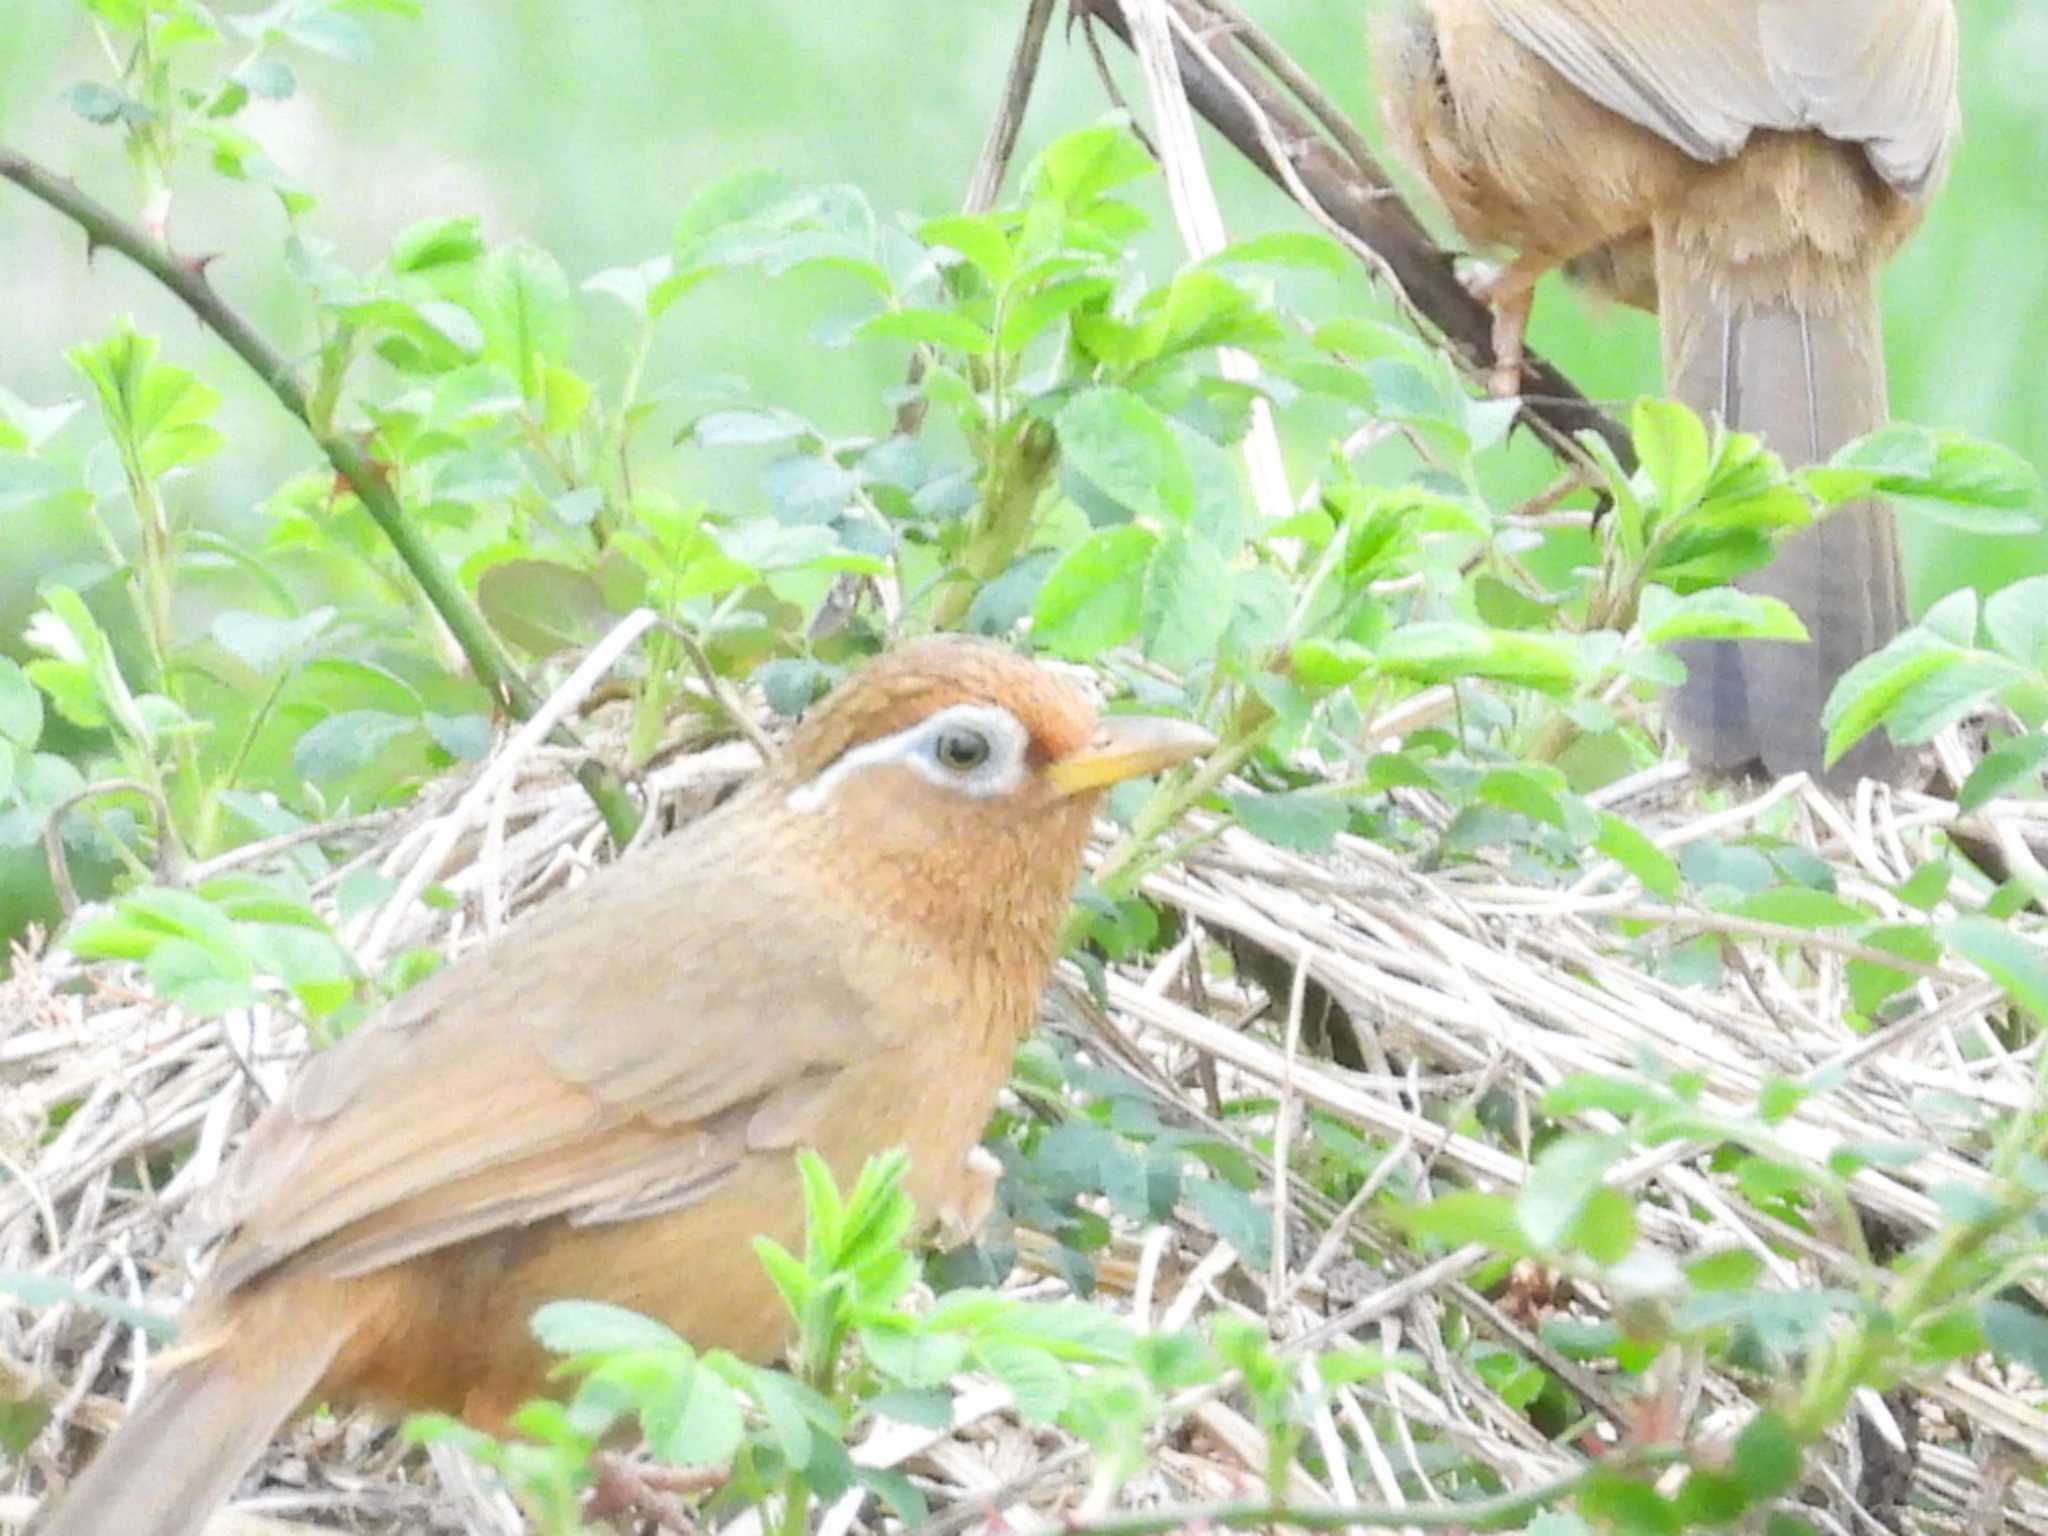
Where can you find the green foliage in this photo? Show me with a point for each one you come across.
(857, 1355)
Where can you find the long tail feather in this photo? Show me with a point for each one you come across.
(1806, 377)
(189, 1441)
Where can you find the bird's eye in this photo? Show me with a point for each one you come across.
(960, 749)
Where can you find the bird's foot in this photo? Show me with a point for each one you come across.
(1504, 380)
(961, 1217)
(1508, 292)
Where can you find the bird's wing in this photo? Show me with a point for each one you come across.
(578, 1066)
(1705, 74)
(1882, 75)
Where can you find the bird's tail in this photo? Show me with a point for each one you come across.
(1786, 344)
(189, 1441)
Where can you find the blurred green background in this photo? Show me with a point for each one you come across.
(582, 124)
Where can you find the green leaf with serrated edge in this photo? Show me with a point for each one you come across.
(1126, 450)
(1094, 598)
(1187, 602)
(597, 1327)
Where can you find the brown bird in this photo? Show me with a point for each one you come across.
(605, 1102)
(1745, 167)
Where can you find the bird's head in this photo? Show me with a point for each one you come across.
(954, 782)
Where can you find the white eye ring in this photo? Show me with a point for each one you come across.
(928, 748)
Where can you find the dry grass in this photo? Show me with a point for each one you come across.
(1462, 983)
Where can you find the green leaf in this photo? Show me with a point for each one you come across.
(344, 743)
(21, 707)
(1443, 651)
(1001, 604)
(945, 328)
(1852, 1157)
(1732, 1269)
(746, 428)
(897, 1492)
(1634, 851)
(263, 643)
(2008, 765)
(1584, 1091)
(1036, 1380)
(158, 411)
(1561, 1182)
(598, 1328)
(1530, 791)
(1078, 167)
(1187, 603)
(542, 607)
(199, 979)
(789, 1407)
(646, 289)
(327, 31)
(437, 244)
(466, 738)
(980, 237)
(101, 104)
(1305, 819)
(1766, 1459)
(1709, 1498)
(735, 200)
(1621, 1502)
(1916, 685)
(1236, 1218)
(2015, 963)
(1869, 983)
(1094, 598)
(2015, 1333)
(1799, 906)
(1468, 1216)
(272, 79)
(1947, 694)
(697, 1423)
(528, 314)
(1671, 444)
(1128, 452)
(1606, 1228)
(1978, 486)
(1715, 613)
(151, 916)
(914, 1356)
(1025, 317)
(2016, 619)
(42, 782)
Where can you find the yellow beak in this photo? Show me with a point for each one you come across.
(1126, 746)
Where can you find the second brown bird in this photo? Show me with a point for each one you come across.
(605, 1102)
(1745, 167)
